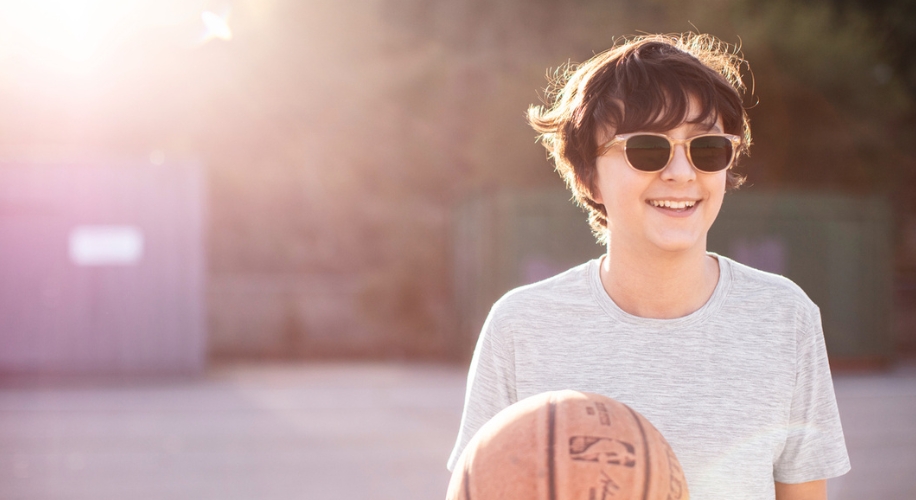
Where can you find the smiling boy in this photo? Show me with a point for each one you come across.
(728, 362)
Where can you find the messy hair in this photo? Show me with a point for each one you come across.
(643, 84)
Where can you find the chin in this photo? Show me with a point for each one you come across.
(676, 249)
(679, 245)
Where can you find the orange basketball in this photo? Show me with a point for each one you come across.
(568, 445)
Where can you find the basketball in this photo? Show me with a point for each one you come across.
(568, 445)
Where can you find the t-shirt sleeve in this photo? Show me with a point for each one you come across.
(815, 447)
(490, 386)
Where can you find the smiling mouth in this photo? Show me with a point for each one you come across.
(673, 205)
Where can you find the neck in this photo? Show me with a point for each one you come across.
(661, 285)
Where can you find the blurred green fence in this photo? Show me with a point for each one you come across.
(836, 247)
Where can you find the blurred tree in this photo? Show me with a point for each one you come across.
(893, 24)
(828, 116)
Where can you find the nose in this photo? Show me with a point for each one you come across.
(679, 168)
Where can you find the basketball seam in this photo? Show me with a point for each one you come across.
(551, 448)
(645, 445)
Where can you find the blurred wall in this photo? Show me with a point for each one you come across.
(102, 268)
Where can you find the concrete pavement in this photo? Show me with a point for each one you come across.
(326, 431)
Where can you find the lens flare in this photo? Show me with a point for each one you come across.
(215, 26)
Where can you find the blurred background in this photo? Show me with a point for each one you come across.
(338, 140)
(188, 186)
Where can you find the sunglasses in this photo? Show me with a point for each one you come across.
(653, 152)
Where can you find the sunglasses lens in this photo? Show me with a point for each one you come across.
(711, 153)
(648, 153)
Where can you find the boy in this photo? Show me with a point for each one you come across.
(726, 361)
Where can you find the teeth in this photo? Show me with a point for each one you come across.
(677, 205)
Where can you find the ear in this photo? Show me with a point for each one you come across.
(595, 194)
(588, 182)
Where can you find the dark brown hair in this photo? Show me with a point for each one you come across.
(641, 84)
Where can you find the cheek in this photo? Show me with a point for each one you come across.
(615, 183)
(721, 184)
(717, 191)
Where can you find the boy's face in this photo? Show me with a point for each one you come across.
(632, 198)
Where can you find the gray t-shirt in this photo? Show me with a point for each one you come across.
(740, 388)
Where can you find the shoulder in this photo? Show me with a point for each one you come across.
(558, 294)
(745, 281)
(767, 296)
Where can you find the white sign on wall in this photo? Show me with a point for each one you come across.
(106, 245)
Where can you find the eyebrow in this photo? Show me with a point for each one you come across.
(702, 127)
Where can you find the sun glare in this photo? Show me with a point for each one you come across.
(73, 30)
(70, 34)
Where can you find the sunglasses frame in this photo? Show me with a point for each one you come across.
(672, 143)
